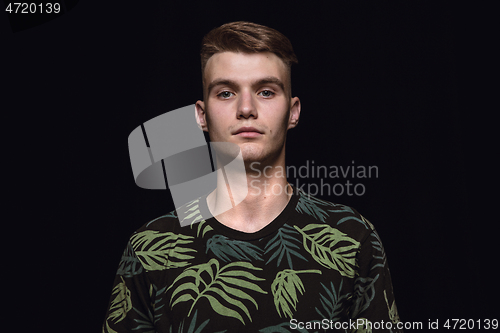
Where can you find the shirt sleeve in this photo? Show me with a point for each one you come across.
(131, 306)
(373, 298)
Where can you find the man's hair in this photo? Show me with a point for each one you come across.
(246, 37)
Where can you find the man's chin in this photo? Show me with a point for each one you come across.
(251, 153)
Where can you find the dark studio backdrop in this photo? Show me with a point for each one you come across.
(378, 87)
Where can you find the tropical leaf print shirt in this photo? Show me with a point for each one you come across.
(318, 267)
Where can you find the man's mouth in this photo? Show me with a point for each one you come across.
(247, 132)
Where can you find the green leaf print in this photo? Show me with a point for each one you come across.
(172, 214)
(380, 259)
(225, 248)
(361, 220)
(145, 323)
(192, 326)
(202, 228)
(284, 244)
(193, 214)
(121, 304)
(129, 263)
(338, 208)
(149, 320)
(310, 205)
(222, 287)
(364, 293)
(332, 303)
(393, 310)
(324, 244)
(107, 329)
(367, 222)
(159, 251)
(284, 289)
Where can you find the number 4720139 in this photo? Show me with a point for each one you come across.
(464, 324)
(32, 8)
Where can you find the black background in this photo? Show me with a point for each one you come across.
(378, 86)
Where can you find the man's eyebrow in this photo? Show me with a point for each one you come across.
(271, 80)
(221, 82)
(227, 82)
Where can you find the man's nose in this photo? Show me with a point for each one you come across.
(246, 105)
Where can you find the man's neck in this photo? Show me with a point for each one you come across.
(268, 194)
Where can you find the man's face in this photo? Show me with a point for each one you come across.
(246, 103)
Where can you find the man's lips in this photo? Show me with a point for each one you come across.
(248, 132)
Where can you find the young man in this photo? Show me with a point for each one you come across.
(278, 261)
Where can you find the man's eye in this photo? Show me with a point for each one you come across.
(266, 93)
(225, 94)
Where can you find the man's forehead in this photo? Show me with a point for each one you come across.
(244, 66)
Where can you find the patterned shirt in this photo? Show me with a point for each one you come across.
(317, 267)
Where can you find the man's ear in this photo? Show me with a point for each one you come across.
(294, 112)
(201, 116)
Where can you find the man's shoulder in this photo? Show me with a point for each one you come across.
(162, 243)
(344, 218)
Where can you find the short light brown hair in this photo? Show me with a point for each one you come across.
(246, 37)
